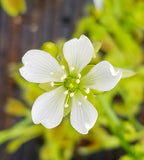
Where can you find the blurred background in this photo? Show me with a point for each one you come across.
(117, 26)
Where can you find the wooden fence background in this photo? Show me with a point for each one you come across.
(45, 20)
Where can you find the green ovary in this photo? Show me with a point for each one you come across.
(70, 83)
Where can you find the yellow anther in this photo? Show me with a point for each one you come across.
(63, 77)
(71, 94)
(85, 97)
(78, 81)
(79, 103)
(66, 105)
(66, 92)
(52, 84)
(87, 90)
(79, 75)
(72, 68)
(63, 67)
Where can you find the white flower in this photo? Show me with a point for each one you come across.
(41, 67)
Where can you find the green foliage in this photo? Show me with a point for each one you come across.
(16, 108)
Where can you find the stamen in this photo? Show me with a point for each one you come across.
(66, 92)
(66, 105)
(63, 67)
(66, 101)
(78, 81)
(51, 73)
(71, 94)
(85, 97)
(87, 90)
(63, 77)
(79, 103)
(79, 75)
(52, 84)
(72, 68)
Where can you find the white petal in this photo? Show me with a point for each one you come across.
(83, 114)
(102, 77)
(49, 107)
(78, 53)
(40, 67)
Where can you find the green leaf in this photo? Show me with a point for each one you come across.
(15, 131)
(97, 46)
(86, 69)
(16, 108)
(126, 73)
(29, 133)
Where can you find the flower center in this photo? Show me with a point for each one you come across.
(72, 83)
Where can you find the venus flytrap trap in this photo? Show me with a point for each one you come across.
(68, 88)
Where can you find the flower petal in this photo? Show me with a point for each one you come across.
(78, 53)
(83, 114)
(40, 67)
(102, 77)
(49, 107)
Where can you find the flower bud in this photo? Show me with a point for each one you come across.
(13, 7)
(51, 48)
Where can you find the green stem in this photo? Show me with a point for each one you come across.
(14, 131)
(115, 125)
(136, 123)
(53, 144)
(111, 115)
(23, 123)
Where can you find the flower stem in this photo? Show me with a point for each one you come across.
(14, 131)
(115, 125)
(111, 115)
